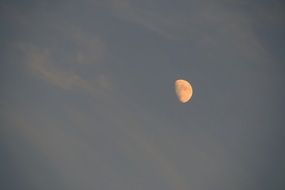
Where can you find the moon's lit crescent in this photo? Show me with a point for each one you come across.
(183, 90)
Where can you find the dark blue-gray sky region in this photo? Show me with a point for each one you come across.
(88, 102)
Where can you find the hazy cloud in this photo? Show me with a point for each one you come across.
(149, 19)
(41, 63)
(206, 24)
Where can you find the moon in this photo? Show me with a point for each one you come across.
(183, 90)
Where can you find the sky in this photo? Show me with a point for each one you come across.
(88, 101)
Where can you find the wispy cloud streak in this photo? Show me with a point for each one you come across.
(40, 62)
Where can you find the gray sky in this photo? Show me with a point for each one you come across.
(87, 95)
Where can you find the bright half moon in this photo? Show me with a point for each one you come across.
(183, 90)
